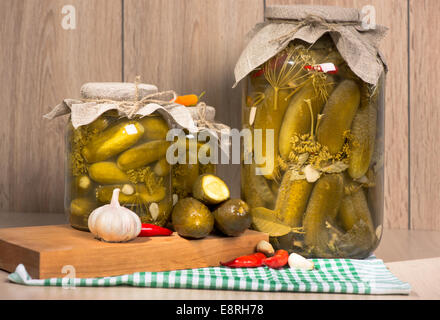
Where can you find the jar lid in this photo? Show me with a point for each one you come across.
(302, 12)
(118, 91)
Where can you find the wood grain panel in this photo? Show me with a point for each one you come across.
(425, 114)
(41, 63)
(191, 46)
(393, 14)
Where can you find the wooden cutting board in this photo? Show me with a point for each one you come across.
(45, 250)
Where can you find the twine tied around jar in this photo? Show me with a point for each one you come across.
(202, 122)
(131, 107)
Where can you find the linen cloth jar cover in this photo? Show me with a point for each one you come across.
(314, 76)
(116, 138)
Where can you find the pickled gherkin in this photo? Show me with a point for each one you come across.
(257, 193)
(301, 115)
(184, 175)
(354, 208)
(363, 130)
(141, 194)
(292, 200)
(80, 209)
(322, 207)
(107, 173)
(323, 194)
(269, 116)
(338, 112)
(156, 128)
(143, 154)
(112, 141)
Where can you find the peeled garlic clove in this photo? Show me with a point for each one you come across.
(311, 174)
(252, 115)
(154, 211)
(175, 199)
(296, 261)
(127, 189)
(265, 247)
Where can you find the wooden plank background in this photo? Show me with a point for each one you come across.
(41, 63)
(192, 46)
(424, 114)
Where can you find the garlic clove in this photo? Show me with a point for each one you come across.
(311, 174)
(265, 247)
(175, 199)
(154, 211)
(252, 115)
(127, 189)
(296, 261)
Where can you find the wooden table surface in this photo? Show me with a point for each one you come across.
(413, 256)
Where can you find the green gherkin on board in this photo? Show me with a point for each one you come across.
(232, 217)
(210, 189)
(192, 219)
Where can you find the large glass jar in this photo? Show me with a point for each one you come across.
(319, 190)
(115, 152)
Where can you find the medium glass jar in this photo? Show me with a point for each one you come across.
(115, 152)
(319, 190)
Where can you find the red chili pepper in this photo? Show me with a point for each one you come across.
(250, 261)
(151, 230)
(278, 260)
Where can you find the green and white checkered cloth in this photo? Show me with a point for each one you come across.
(369, 276)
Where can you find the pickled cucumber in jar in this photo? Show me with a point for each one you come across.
(116, 152)
(184, 175)
(319, 196)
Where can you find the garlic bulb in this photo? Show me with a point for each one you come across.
(113, 223)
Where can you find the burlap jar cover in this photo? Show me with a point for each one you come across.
(358, 47)
(136, 100)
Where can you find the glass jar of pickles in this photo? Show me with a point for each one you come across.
(114, 152)
(315, 182)
(116, 138)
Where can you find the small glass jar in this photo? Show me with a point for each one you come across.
(320, 192)
(117, 152)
